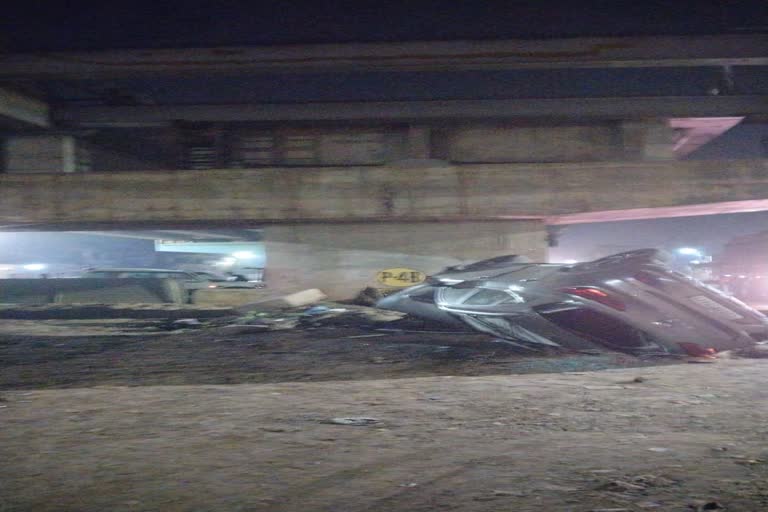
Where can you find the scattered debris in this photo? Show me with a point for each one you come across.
(293, 300)
(652, 481)
(701, 505)
(354, 421)
(556, 488)
(367, 297)
(749, 462)
(381, 360)
(317, 310)
(186, 323)
(621, 486)
(648, 504)
(351, 316)
(246, 329)
(638, 379)
(263, 321)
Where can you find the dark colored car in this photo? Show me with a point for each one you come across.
(630, 301)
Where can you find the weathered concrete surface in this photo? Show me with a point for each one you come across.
(536, 143)
(341, 259)
(387, 193)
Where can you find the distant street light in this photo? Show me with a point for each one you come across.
(689, 251)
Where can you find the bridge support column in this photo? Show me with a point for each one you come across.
(648, 140)
(343, 258)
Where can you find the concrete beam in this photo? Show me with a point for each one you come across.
(560, 108)
(623, 52)
(23, 108)
(382, 193)
(663, 212)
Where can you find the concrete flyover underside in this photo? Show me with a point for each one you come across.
(335, 228)
(381, 193)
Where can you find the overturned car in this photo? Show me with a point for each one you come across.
(631, 302)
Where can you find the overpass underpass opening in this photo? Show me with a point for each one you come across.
(339, 258)
(70, 254)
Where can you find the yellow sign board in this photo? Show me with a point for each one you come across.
(400, 277)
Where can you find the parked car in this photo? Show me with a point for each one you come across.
(630, 301)
(189, 279)
(227, 281)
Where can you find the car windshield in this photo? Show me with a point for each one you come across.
(140, 274)
(490, 264)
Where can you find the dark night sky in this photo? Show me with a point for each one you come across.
(85, 25)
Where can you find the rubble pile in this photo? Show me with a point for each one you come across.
(324, 314)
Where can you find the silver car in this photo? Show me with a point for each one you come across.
(631, 302)
(188, 279)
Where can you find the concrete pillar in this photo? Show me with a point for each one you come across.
(40, 154)
(649, 140)
(341, 259)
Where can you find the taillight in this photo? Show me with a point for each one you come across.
(696, 350)
(596, 295)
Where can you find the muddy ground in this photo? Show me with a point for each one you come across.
(40, 354)
(135, 419)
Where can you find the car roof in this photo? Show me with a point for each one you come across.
(135, 270)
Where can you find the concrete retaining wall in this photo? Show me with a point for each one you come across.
(91, 291)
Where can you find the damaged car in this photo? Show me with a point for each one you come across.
(632, 302)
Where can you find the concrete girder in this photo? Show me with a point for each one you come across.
(617, 52)
(560, 108)
(250, 197)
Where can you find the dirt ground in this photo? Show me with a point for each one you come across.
(55, 353)
(199, 421)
